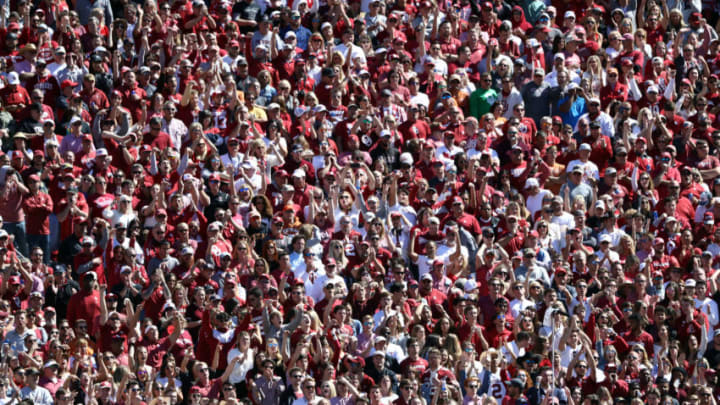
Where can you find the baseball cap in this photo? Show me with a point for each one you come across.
(13, 78)
(531, 182)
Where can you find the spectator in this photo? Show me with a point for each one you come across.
(362, 202)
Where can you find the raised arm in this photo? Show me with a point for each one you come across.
(103, 305)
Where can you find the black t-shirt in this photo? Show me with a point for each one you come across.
(31, 126)
(135, 298)
(220, 200)
(104, 82)
(69, 248)
(261, 232)
(61, 298)
(246, 11)
(389, 155)
(713, 356)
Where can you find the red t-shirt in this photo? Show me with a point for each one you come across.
(416, 366)
(15, 96)
(160, 141)
(37, 211)
(84, 305)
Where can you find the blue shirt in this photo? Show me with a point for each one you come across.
(577, 109)
(84, 9)
(303, 36)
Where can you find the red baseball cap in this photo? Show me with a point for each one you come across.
(67, 83)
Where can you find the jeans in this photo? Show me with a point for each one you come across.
(43, 241)
(54, 232)
(17, 229)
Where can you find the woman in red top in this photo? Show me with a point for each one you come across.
(242, 260)
(305, 331)
(591, 29)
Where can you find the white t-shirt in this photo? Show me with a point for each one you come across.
(232, 161)
(424, 264)
(568, 353)
(420, 99)
(55, 68)
(444, 252)
(511, 347)
(589, 168)
(518, 305)
(565, 220)
(163, 382)
(354, 215)
(613, 257)
(356, 52)
(534, 202)
(255, 182)
(316, 291)
(407, 211)
(241, 368)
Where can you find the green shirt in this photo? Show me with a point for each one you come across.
(481, 100)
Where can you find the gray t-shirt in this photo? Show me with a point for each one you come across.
(537, 100)
(156, 262)
(17, 340)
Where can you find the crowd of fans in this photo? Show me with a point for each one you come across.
(328, 202)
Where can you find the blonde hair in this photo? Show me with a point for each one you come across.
(278, 356)
(195, 125)
(578, 200)
(338, 254)
(627, 237)
(266, 73)
(337, 54)
(599, 68)
(331, 386)
(485, 356)
(638, 32)
(310, 96)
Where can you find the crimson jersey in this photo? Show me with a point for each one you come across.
(663, 263)
(417, 366)
(428, 387)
